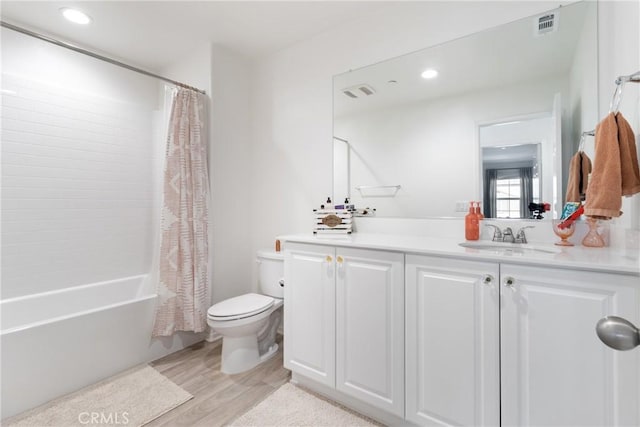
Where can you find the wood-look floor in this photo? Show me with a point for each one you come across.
(218, 398)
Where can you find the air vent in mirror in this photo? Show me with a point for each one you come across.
(358, 91)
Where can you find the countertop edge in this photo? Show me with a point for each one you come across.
(587, 259)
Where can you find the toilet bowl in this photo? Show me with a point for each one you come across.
(248, 323)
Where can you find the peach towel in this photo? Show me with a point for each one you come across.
(615, 170)
(579, 170)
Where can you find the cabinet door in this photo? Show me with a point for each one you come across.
(555, 370)
(452, 333)
(370, 327)
(309, 314)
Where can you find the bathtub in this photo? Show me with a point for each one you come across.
(57, 342)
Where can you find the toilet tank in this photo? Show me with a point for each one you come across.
(270, 273)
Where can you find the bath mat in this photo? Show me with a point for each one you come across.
(293, 406)
(132, 398)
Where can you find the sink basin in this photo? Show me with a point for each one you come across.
(508, 248)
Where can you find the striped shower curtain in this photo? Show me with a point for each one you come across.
(183, 278)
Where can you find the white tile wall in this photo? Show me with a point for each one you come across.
(79, 185)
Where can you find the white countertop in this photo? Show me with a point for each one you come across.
(576, 257)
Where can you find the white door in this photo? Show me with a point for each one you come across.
(309, 314)
(370, 327)
(555, 370)
(452, 332)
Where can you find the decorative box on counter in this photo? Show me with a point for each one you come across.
(333, 221)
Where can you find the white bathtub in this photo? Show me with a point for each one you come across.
(57, 342)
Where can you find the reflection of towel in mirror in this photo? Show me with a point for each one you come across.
(615, 169)
(579, 170)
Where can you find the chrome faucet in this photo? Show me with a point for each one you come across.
(507, 235)
(520, 236)
(497, 234)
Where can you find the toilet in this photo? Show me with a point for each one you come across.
(249, 323)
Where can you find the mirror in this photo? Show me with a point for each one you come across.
(417, 147)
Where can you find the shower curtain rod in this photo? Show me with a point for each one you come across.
(95, 55)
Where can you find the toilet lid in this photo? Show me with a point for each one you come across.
(243, 306)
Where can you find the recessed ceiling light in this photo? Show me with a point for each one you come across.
(75, 16)
(429, 73)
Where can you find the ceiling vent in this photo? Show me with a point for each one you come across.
(547, 23)
(358, 91)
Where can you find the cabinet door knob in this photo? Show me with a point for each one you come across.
(618, 333)
(487, 279)
(328, 258)
(339, 259)
(509, 282)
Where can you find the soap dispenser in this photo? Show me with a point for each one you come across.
(471, 225)
(329, 204)
(479, 212)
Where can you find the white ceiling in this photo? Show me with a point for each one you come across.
(152, 34)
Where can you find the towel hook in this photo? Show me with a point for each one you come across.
(583, 137)
(617, 94)
(617, 97)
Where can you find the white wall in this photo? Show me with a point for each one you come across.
(292, 98)
(233, 259)
(77, 168)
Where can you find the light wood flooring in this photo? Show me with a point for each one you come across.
(218, 398)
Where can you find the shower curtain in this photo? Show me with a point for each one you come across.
(183, 277)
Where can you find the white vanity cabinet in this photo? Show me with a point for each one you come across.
(554, 369)
(310, 312)
(452, 340)
(452, 335)
(510, 345)
(344, 321)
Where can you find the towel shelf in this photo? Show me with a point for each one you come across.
(378, 190)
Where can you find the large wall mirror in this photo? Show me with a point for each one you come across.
(496, 121)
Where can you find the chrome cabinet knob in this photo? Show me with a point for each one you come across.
(509, 282)
(618, 333)
(487, 279)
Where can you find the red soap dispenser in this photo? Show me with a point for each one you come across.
(471, 225)
(479, 212)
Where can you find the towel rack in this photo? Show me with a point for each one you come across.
(378, 190)
(617, 94)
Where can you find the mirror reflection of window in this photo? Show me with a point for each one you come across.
(513, 192)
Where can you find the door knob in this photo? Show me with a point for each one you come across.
(618, 333)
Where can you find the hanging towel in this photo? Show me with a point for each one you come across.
(628, 158)
(579, 170)
(615, 170)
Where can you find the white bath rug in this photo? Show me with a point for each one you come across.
(293, 406)
(132, 398)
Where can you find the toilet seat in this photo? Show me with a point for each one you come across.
(246, 305)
